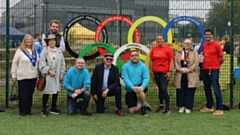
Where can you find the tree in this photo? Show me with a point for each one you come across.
(219, 16)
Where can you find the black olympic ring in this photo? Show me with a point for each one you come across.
(71, 23)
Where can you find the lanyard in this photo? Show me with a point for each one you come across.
(32, 58)
(185, 55)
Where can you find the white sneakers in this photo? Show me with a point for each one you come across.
(183, 109)
(187, 110)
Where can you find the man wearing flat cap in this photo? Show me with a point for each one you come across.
(105, 82)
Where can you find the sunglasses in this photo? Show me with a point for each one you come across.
(109, 59)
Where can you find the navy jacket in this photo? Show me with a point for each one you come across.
(97, 79)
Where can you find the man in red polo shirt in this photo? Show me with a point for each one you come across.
(213, 58)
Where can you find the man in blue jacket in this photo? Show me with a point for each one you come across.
(77, 82)
(136, 78)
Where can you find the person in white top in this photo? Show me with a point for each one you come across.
(25, 72)
(54, 29)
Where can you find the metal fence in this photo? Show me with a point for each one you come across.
(89, 21)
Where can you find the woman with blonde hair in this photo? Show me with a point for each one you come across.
(186, 77)
(25, 72)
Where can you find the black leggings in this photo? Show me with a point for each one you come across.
(45, 100)
(162, 83)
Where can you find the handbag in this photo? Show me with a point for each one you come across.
(41, 83)
(13, 96)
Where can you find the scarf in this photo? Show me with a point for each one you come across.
(52, 54)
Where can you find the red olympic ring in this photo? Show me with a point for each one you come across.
(111, 19)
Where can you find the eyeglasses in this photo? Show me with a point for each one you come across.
(134, 55)
(187, 43)
(109, 59)
(80, 62)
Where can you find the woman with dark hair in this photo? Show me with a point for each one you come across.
(52, 66)
(162, 58)
(25, 72)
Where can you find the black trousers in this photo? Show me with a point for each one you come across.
(162, 83)
(26, 89)
(185, 95)
(201, 71)
(118, 100)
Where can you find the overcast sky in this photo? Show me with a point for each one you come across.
(197, 8)
(3, 5)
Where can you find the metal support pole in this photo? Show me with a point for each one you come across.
(47, 14)
(12, 20)
(232, 56)
(35, 21)
(42, 5)
(144, 27)
(120, 25)
(7, 51)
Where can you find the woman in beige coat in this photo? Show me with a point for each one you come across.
(186, 77)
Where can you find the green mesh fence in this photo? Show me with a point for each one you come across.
(33, 16)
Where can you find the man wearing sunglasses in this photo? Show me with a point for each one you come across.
(105, 82)
(136, 78)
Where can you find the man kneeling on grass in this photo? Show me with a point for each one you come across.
(136, 77)
(105, 83)
(77, 82)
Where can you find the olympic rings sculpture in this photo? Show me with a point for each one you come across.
(111, 19)
(126, 47)
(167, 33)
(186, 18)
(108, 47)
(71, 23)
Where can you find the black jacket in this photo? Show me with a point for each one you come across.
(97, 79)
(58, 36)
(227, 47)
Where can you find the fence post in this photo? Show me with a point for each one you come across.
(7, 51)
(35, 17)
(232, 56)
(120, 25)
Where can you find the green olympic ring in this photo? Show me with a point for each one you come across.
(108, 47)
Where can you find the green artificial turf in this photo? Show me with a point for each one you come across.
(108, 123)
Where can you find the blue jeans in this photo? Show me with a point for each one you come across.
(72, 104)
(117, 92)
(211, 78)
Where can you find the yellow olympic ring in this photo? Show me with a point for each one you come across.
(142, 20)
(174, 46)
(147, 62)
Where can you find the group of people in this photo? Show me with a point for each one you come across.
(33, 59)
(186, 63)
